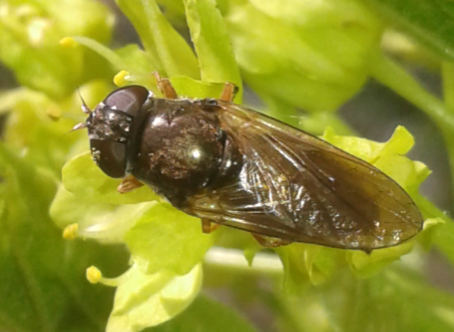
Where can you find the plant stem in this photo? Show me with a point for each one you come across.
(234, 258)
(396, 78)
(447, 70)
(429, 210)
(102, 50)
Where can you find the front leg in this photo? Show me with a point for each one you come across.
(229, 92)
(128, 184)
(165, 86)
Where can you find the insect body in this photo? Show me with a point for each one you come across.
(230, 165)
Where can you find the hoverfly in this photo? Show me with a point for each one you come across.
(229, 165)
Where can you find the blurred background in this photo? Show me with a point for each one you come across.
(373, 113)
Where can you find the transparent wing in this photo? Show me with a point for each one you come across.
(297, 187)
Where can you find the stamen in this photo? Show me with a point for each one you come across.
(70, 231)
(94, 275)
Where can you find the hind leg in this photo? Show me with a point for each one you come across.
(270, 242)
(208, 226)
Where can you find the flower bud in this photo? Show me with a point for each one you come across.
(314, 52)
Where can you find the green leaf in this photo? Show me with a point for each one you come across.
(207, 315)
(431, 227)
(306, 264)
(130, 57)
(160, 39)
(137, 64)
(189, 87)
(174, 12)
(137, 60)
(101, 221)
(442, 234)
(431, 22)
(144, 300)
(211, 40)
(400, 143)
(166, 238)
(84, 179)
(115, 59)
(251, 249)
(42, 285)
(366, 265)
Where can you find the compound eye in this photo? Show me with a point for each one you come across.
(128, 99)
(110, 157)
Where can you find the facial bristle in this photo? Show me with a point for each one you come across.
(84, 106)
(79, 126)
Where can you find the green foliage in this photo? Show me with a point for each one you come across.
(308, 50)
(84, 179)
(144, 300)
(102, 221)
(210, 37)
(428, 21)
(170, 52)
(29, 40)
(207, 315)
(42, 285)
(316, 264)
(294, 55)
(389, 157)
(165, 238)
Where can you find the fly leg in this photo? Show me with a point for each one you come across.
(270, 242)
(229, 92)
(165, 86)
(208, 226)
(128, 184)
